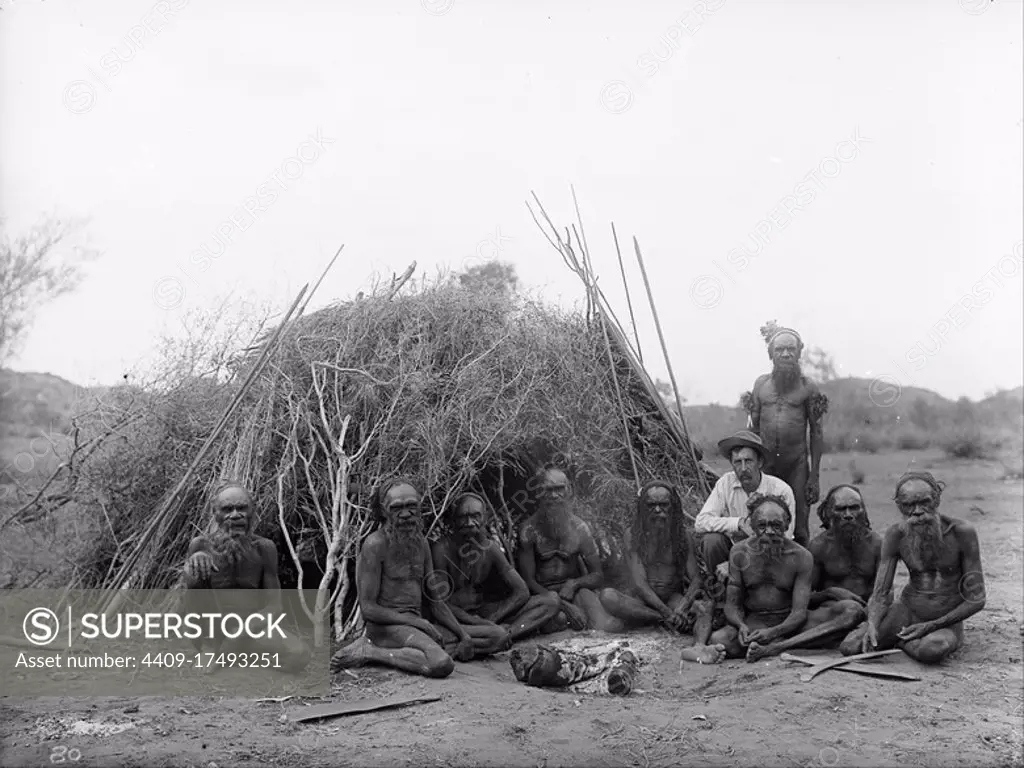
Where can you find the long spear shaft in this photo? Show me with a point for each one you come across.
(671, 374)
(629, 301)
(590, 282)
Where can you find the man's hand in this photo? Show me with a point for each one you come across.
(430, 631)
(813, 490)
(915, 631)
(743, 528)
(199, 567)
(745, 633)
(678, 617)
(568, 590)
(465, 651)
(760, 636)
(722, 572)
(870, 640)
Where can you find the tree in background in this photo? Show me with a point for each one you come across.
(818, 365)
(493, 276)
(34, 270)
(668, 394)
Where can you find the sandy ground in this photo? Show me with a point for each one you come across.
(967, 711)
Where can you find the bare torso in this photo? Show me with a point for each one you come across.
(401, 579)
(783, 421)
(936, 578)
(469, 573)
(558, 554)
(768, 586)
(246, 573)
(853, 569)
(664, 574)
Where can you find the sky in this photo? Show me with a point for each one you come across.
(852, 168)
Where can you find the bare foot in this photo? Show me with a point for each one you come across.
(756, 652)
(704, 654)
(352, 654)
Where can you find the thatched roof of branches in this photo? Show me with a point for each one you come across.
(457, 387)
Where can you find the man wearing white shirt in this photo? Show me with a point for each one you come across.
(723, 519)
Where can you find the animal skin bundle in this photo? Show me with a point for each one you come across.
(545, 666)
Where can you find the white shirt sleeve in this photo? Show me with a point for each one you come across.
(787, 494)
(713, 516)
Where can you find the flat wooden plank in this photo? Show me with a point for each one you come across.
(815, 671)
(871, 670)
(341, 708)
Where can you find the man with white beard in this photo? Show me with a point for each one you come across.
(392, 576)
(232, 557)
(786, 407)
(946, 586)
(770, 588)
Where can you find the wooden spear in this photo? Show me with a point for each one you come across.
(629, 301)
(171, 501)
(664, 349)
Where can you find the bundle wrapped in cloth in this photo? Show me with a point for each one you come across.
(548, 666)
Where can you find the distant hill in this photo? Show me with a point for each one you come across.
(862, 415)
(869, 415)
(30, 402)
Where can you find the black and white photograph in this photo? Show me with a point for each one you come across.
(463, 383)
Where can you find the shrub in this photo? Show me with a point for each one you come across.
(913, 440)
(865, 442)
(965, 444)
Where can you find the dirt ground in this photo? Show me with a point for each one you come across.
(968, 711)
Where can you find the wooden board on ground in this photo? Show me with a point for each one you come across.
(860, 669)
(824, 667)
(341, 708)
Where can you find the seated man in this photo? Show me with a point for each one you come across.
(769, 589)
(486, 594)
(558, 556)
(666, 577)
(946, 586)
(846, 555)
(232, 557)
(392, 576)
(722, 520)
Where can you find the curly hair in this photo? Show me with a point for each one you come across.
(677, 531)
(827, 505)
(377, 501)
(755, 502)
(937, 486)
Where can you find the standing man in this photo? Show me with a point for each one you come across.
(723, 519)
(784, 407)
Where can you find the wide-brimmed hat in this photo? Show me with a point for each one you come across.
(742, 439)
